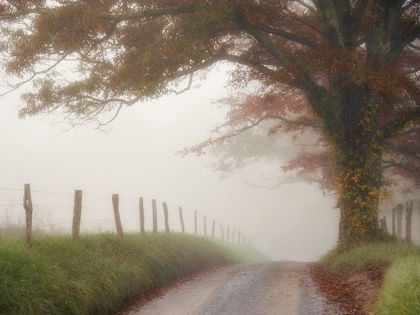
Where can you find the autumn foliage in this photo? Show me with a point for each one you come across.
(346, 70)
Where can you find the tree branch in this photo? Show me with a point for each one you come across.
(33, 76)
(305, 5)
(290, 36)
(397, 125)
(263, 39)
(293, 16)
(399, 165)
(152, 13)
(409, 5)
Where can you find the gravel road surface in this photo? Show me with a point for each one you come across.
(257, 289)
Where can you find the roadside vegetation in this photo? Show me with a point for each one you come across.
(400, 293)
(99, 273)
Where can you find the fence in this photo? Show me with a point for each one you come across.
(397, 227)
(167, 225)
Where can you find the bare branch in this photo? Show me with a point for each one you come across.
(305, 5)
(290, 36)
(303, 22)
(390, 164)
(188, 87)
(33, 76)
(112, 118)
(409, 5)
(414, 47)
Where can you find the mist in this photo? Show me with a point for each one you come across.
(138, 159)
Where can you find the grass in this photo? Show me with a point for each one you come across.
(376, 254)
(401, 289)
(99, 273)
(400, 294)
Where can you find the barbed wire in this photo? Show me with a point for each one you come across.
(51, 192)
(145, 200)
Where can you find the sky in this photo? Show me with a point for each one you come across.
(138, 159)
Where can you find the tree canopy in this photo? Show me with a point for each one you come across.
(348, 68)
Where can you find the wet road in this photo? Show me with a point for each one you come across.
(257, 289)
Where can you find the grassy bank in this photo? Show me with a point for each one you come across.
(97, 274)
(400, 294)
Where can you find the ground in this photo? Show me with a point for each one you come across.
(289, 287)
(356, 291)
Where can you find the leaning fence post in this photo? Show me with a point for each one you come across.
(222, 232)
(181, 218)
(409, 214)
(154, 209)
(165, 213)
(141, 215)
(77, 214)
(27, 205)
(115, 205)
(213, 227)
(205, 225)
(399, 221)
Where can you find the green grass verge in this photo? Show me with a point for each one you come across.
(400, 294)
(97, 274)
(376, 254)
(401, 289)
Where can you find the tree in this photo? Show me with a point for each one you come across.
(254, 132)
(295, 154)
(353, 65)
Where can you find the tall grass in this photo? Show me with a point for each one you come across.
(97, 274)
(377, 254)
(401, 290)
(400, 294)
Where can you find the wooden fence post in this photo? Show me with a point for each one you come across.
(383, 225)
(222, 232)
(141, 215)
(77, 214)
(394, 216)
(233, 235)
(205, 225)
(408, 216)
(115, 205)
(27, 205)
(165, 213)
(213, 228)
(399, 221)
(195, 222)
(227, 233)
(154, 209)
(181, 218)
(239, 237)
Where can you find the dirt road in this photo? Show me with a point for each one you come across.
(257, 289)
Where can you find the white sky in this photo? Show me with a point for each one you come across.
(137, 159)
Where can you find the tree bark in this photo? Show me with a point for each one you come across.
(358, 160)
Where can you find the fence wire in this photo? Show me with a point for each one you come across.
(93, 219)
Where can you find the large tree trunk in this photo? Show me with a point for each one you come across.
(358, 202)
(358, 158)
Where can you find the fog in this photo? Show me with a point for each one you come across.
(137, 159)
